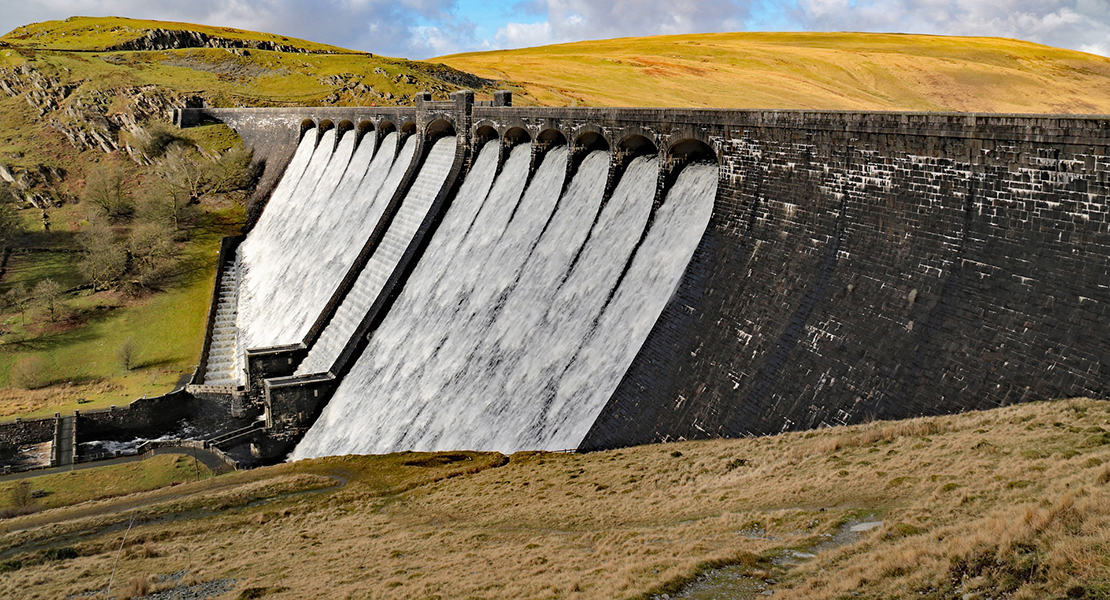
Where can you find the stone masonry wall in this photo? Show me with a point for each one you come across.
(14, 434)
(882, 274)
(864, 265)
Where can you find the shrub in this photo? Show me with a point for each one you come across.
(161, 138)
(126, 354)
(30, 373)
(21, 494)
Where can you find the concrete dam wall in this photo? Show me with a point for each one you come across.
(453, 275)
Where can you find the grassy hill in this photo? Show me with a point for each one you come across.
(81, 96)
(100, 34)
(1010, 503)
(837, 71)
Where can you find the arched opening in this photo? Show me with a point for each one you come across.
(484, 134)
(438, 129)
(691, 150)
(306, 125)
(324, 127)
(408, 129)
(364, 127)
(342, 129)
(636, 145)
(515, 136)
(385, 128)
(551, 137)
(591, 140)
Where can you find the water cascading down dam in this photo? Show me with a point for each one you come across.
(461, 276)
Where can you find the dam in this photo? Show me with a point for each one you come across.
(475, 275)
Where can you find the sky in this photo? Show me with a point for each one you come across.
(428, 28)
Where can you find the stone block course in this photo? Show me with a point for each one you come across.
(856, 266)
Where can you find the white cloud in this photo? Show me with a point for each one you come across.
(521, 35)
(571, 20)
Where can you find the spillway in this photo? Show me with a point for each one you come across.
(293, 260)
(382, 264)
(526, 308)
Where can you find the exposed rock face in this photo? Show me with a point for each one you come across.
(454, 76)
(89, 119)
(172, 39)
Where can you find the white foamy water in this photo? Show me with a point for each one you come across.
(513, 335)
(612, 345)
(224, 354)
(385, 260)
(294, 262)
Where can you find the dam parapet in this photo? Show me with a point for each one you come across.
(853, 266)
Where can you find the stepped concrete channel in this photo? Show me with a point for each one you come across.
(851, 266)
(223, 349)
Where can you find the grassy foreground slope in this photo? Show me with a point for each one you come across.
(1009, 503)
(837, 71)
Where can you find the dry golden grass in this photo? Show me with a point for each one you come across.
(1006, 503)
(837, 71)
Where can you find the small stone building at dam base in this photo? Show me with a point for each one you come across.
(847, 267)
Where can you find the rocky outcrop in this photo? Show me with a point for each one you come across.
(175, 39)
(90, 119)
(453, 76)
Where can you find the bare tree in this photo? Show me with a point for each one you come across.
(185, 173)
(48, 294)
(107, 193)
(105, 258)
(19, 298)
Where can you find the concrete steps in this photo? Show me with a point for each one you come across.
(223, 350)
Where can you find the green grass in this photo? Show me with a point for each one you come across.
(73, 487)
(165, 328)
(98, 33)
(31, 268)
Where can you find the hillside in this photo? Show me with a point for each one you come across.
(94, 83)
(105, 34)
(1009, 503)
(83, 97)
(832, 71)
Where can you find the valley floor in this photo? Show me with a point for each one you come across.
(1008, 503)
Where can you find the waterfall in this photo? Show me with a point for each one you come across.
(385, 260)
(294, 262)
(524, 312)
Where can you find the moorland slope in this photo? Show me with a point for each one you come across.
(831, 71)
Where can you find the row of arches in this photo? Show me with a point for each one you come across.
(432, 131)
(593, 138)
(587, 138)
